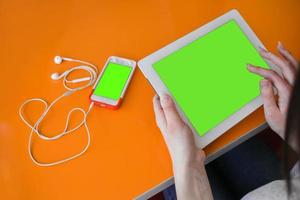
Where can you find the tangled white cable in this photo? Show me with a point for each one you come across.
(92, 69)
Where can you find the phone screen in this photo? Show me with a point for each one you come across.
(113, 81)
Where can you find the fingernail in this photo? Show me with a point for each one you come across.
(263, 50)
(249, 66)
(280, 45)
(264, 83)
(164, 100)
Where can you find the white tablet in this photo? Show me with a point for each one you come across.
(206, 75)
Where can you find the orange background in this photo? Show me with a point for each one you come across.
(127, 154)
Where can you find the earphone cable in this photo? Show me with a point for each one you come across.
(35, 128)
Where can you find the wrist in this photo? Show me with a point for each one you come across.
(191, 180)
(195, 161)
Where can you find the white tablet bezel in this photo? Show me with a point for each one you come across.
(146, 67)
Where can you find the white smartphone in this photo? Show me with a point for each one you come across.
(112, 82)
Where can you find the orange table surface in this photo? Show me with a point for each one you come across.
(127, 155)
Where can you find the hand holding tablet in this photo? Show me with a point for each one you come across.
(205, 73)
(188, 161)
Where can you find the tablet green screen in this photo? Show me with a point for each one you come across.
(208, 78)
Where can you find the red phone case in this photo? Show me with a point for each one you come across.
(105, 105)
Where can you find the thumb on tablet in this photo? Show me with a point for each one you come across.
(172, 117)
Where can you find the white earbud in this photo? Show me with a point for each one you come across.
(58, 60)
(55, 76)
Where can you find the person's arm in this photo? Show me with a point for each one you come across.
(276, 110)
(191, 180)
